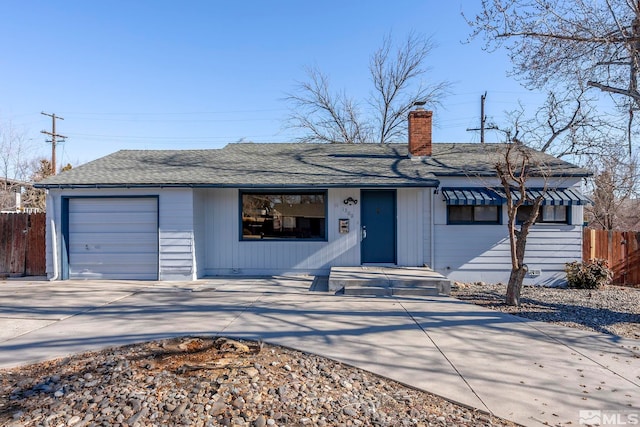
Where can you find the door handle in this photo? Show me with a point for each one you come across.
(364, 232)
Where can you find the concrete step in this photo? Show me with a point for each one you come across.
(373, 291)
(385, 291)
(422, 291)
(386, 281)
(442, 286)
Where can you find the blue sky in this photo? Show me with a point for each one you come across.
(201, 74)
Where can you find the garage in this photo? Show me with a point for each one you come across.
(113, 238)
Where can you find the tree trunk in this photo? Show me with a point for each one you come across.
(519, 270)
(514, 288)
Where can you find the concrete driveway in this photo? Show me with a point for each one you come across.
(526, 371)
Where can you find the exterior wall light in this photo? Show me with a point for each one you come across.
(350, 201)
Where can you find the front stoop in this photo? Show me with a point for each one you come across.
(388, 281)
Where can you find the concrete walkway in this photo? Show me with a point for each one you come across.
(526, 371)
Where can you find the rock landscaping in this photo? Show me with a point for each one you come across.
(611, 310)
(209, 382)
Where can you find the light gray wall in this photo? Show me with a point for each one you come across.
(199, 233)
(175, 227)
(227, 254)
(414, 218)
(473, 253)
(176, 234)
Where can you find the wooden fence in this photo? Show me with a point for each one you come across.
(620, 248)
(22, 244)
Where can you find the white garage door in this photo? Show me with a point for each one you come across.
(113, 238)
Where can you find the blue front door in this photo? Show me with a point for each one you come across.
(378, 211)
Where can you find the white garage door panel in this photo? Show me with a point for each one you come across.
(113, 242)
(140, 218)
(112, 227)
(113, 238)
(114, 204)
(132, 268)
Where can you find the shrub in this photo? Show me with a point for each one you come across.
(592, 274)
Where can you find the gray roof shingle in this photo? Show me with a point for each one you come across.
(293, 165)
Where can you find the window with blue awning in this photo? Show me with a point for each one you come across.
(471, 196)
(487, 196)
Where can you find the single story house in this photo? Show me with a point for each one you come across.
(302, 208)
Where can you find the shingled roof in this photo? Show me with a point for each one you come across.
(295, 165)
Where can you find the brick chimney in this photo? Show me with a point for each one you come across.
(420, 132)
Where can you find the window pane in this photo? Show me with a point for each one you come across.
(460, 214)
(554, 213)
(485, 213)
(283, 216)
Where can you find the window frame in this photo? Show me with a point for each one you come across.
(278, 192)
(473, 221)
(541, 221)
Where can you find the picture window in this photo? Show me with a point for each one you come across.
(283, 216)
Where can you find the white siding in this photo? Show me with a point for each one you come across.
(176, 235)
(227, 254)
(199, 236)
(471, 253)
(428, 241)
(175, 227)
(413, 216)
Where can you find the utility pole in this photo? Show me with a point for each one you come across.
(53, 141)
(483, 119)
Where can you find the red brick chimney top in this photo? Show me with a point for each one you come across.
(420, 140)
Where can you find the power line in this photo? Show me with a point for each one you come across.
(173, 113)
(53, 134)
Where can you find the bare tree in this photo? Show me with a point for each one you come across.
(553, 129)
(613, 193)
(396, 75)
(515, 166)
(14, 163)
(393, 74)
(36, 197)
(568, 44)
(326, 116)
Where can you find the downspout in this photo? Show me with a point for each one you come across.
(54, 238)
(432, 237)
(194, 258)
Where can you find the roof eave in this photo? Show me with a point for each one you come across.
(432, 183)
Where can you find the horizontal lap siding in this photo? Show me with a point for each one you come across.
(199, 236)
(477, 252)
(176, 235)
(482, 253)
(226, 254)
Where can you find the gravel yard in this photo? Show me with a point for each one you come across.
(202, 381)
(613, 310)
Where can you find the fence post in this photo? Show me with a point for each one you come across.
(610, 248)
